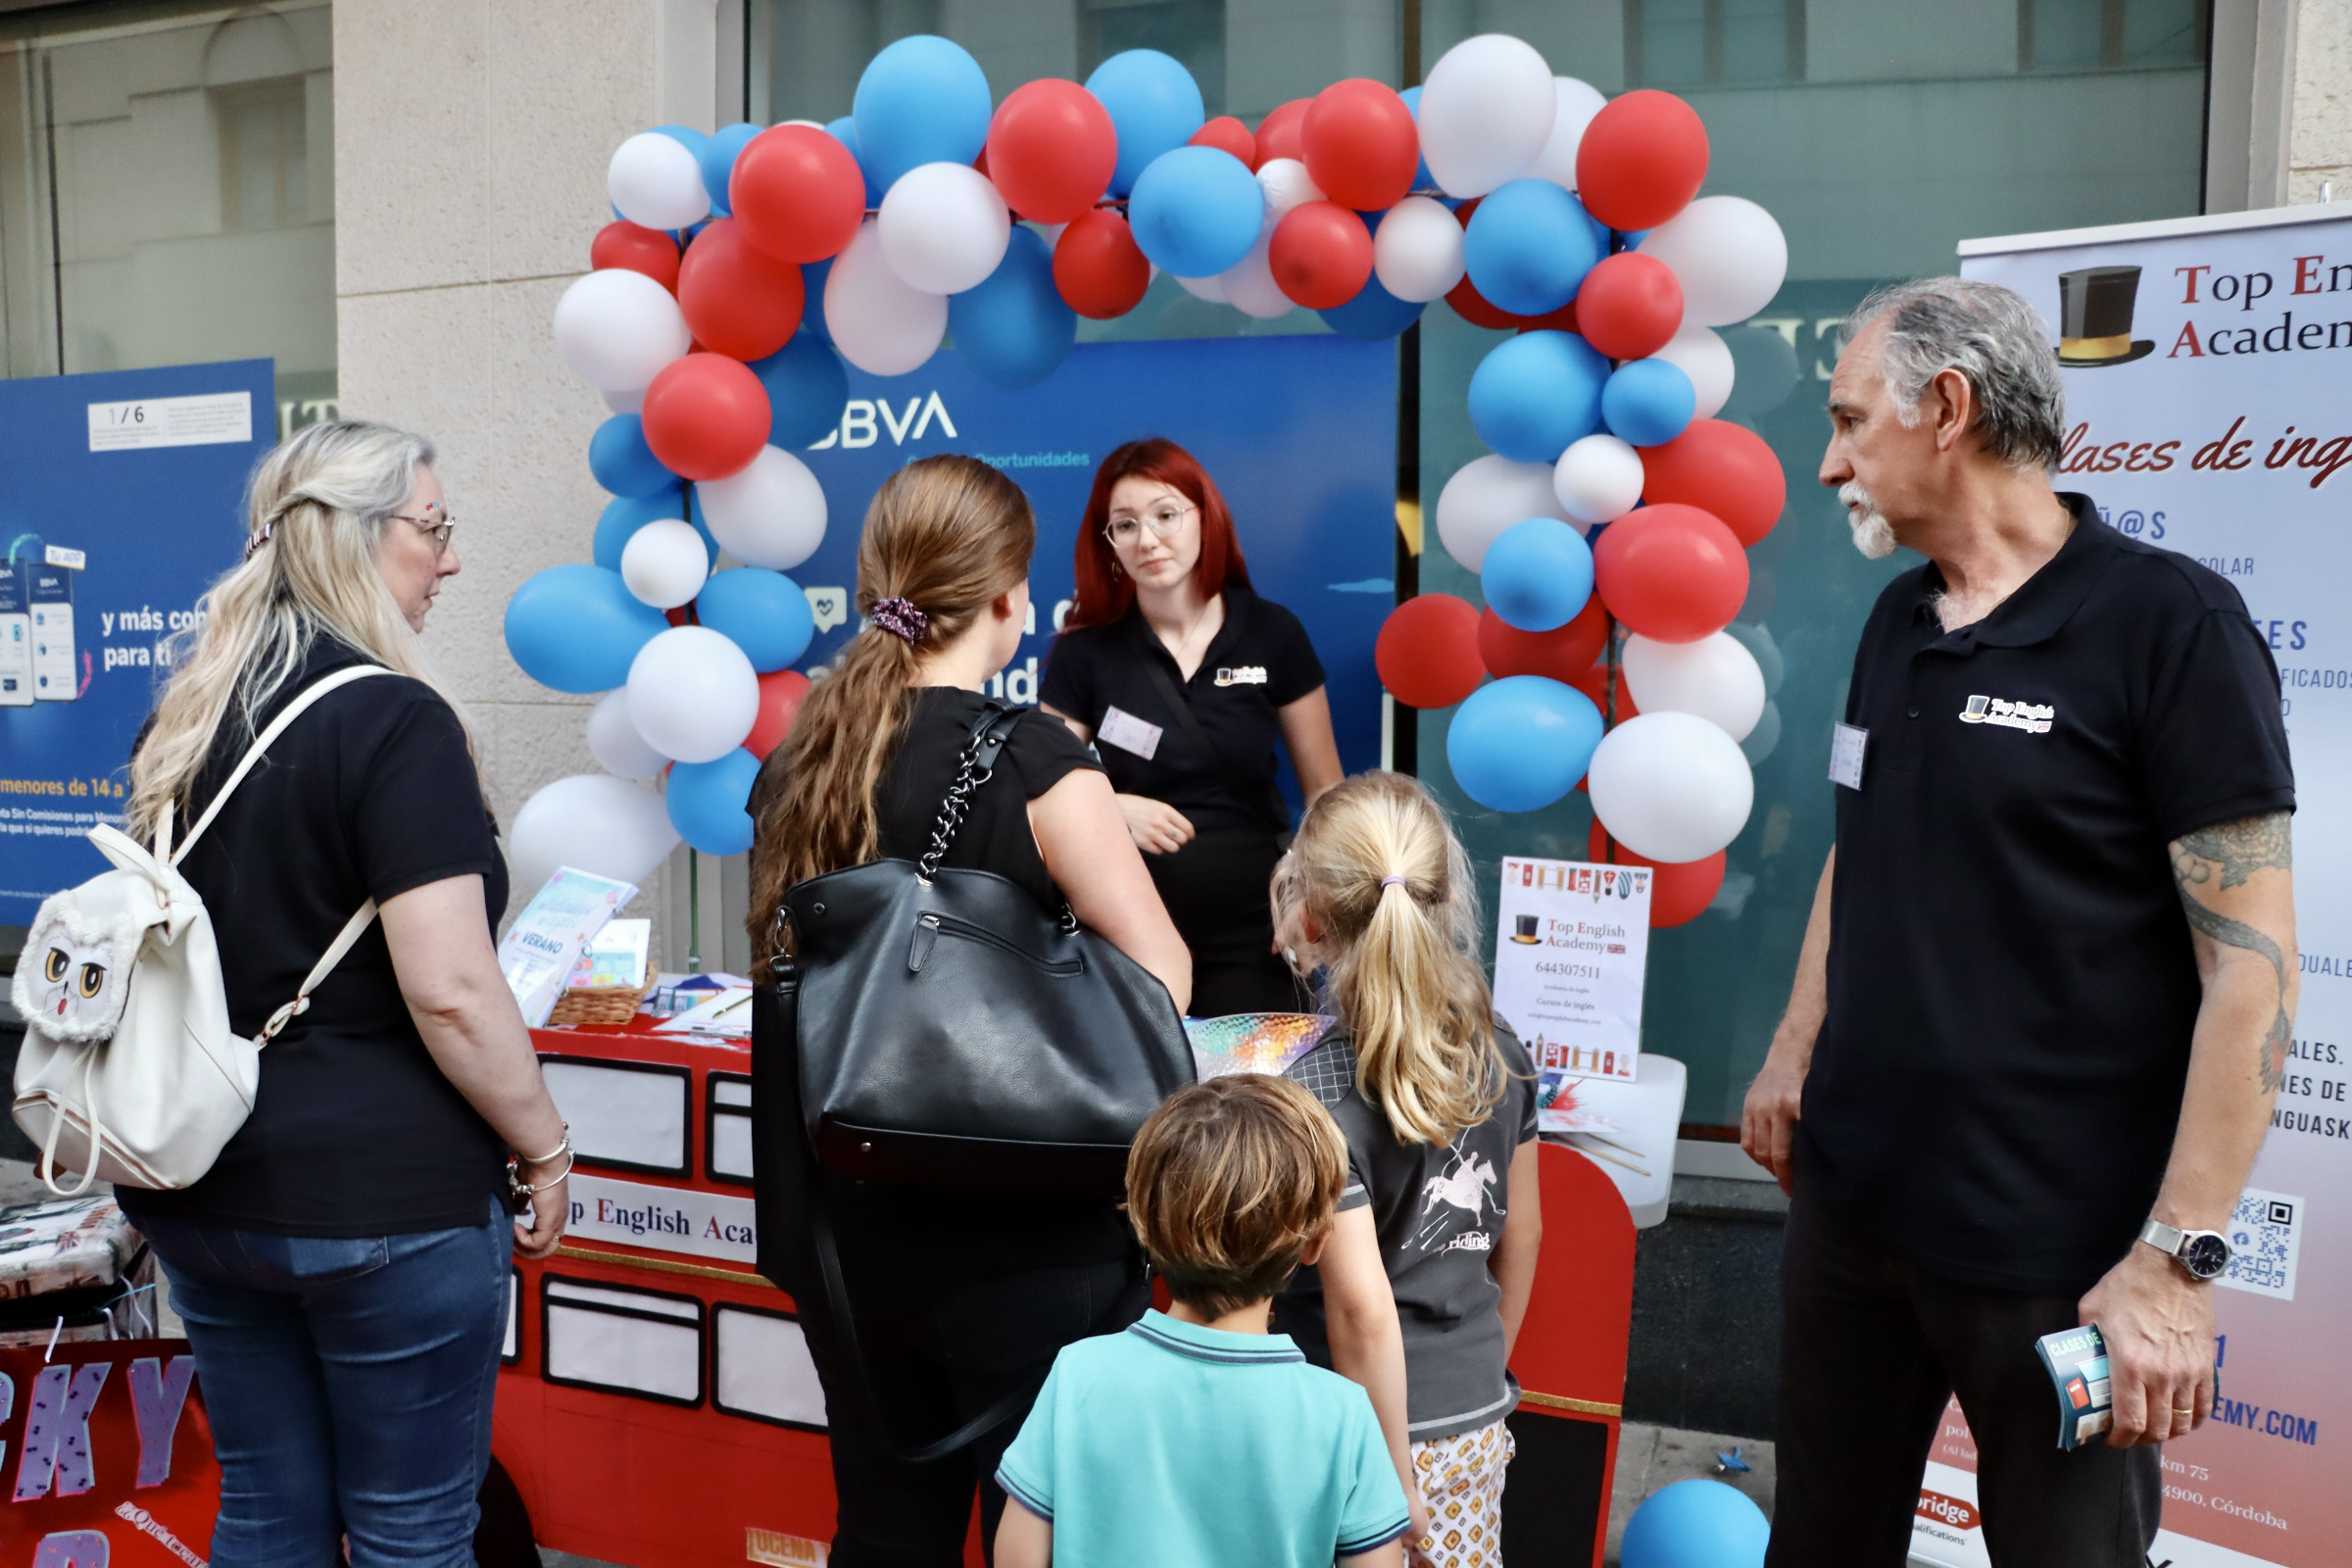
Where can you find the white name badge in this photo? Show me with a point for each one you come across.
(1129, 733)
(1846, 755)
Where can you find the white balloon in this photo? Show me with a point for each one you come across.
(1486, 112)
(592, 823)
(879, 322)
(629, 401)
(1757, 640)
(1715, 677)
(1212, 289)
(616, 328)
(1287, 185)
(1417, 254)
(1765, 738)
(613, 740)
(1598, 479)
(1671, 786)
(1574, 104)
(770, 515)
(1729, 255)
(1250, 286)
(1701, 354)
(944, 227)
(1486, 496)
(656, 181)
(664, 562)
(693, 693)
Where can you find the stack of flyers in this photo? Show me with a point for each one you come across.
(2077, 1362)
(546, 941)
(615, 958)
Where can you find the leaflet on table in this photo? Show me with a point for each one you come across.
(554, 929)
(728, 1016)
(615, 957)
(1570, 951)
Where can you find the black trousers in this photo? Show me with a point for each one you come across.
(938, 1351)
(1216, 888)
(1871, 1348)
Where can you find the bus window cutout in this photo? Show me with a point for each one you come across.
(623, 1115)
(759, 1368)
(644, 1342)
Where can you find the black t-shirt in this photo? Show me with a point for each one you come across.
(355, 1132)
(2011, 983)
(1221, 777)
(1439, 1212)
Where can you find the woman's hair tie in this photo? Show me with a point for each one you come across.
(258, 537)
(1392, 882)
(899, 617)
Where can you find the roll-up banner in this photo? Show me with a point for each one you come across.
(2208, 367)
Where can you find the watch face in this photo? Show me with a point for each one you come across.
(2205, 1255)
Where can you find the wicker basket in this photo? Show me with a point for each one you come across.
(607, 1007)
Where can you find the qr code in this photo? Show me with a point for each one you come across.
(2263, 1239)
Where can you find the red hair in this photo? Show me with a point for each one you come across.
(1105, 594)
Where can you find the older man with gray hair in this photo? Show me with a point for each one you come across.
(2044, 1000)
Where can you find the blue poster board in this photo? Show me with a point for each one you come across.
(120, 499)
(1298, 432)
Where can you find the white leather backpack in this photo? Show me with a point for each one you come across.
(129, 1071)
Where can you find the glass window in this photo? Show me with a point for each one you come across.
(1699, 43)
(167, 192)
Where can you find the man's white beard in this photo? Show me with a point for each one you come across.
(1874, 535)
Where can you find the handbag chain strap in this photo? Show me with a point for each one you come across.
(977, 768)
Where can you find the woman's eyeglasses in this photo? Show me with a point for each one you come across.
(1162, 520)
(438, 522)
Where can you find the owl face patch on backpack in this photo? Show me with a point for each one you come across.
(74, 977)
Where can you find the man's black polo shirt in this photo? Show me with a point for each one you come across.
(1219, 772)
(2011, 986)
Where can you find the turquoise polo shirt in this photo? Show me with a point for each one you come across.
(1190, 1447)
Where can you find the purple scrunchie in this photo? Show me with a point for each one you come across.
(899, 617)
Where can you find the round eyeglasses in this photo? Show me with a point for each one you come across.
(1162, 520)
(438, 522)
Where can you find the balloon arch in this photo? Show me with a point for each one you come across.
(746, 267)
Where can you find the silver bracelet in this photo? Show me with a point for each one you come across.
(564, 1147)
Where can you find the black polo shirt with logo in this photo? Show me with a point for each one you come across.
(2011, 985)
(1218, 770)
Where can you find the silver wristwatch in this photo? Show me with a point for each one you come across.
(2205, 1255)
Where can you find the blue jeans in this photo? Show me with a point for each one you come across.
(348, 1383)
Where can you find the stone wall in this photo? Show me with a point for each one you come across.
(2321, 135)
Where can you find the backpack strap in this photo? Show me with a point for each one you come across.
(352, 929)
(163, 849)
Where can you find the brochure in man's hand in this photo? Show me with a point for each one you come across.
(2077, 1362)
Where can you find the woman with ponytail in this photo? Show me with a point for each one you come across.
(1422, 1287)
(959, 1299)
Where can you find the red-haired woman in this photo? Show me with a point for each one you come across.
(1184, 679)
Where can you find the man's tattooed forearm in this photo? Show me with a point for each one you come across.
(2239, 934)
(2241, 847)
(2233, 852)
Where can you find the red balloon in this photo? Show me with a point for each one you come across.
(1427, 652)
(1643, 157)
(1629, 305)
(1678, 894)
(1361, 145)
(1720, 467)
(1320, 254)
(705, 415)
(1227, 136)
(1671, 572)
(1051, 150)
(1097, 267)
(1562, 653)
(780, 694)
(738, 300)
(636, 249)
(1280, 135)
(798, 193)
(1616, 707)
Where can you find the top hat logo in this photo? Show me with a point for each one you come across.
(2094, 306)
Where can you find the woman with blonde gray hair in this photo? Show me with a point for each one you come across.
(343, 1266)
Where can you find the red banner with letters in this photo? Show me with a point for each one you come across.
(106, 1457)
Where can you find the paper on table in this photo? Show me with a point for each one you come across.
(727, 1014)
(548, 938)
(615, 957)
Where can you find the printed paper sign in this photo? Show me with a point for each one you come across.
(1569, 957)
(545, 942)
(214, 419)
(666, 1219)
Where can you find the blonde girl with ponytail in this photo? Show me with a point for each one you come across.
(1422, 1288)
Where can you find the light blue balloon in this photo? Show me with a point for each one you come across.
(626, 515)
(1530, 245)
(576, 628)
(1537, 574)
(709, 802)
(1520, 742)
(844, 132)
(1154, 107)
(762, 613)
(1423, 179)
(1195, 211)
(686, 136)
(1647, 403)
(922, 100)
(1696, 1524)
(806, 385)
(1373, 314)
(813, 289)
(718, 161)
(623, 464)
(1015, 329)
(1535, 392)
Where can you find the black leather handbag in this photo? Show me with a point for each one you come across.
(953, 1035)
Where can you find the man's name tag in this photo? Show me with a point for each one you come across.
(1846, 755)
(1129, 733)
